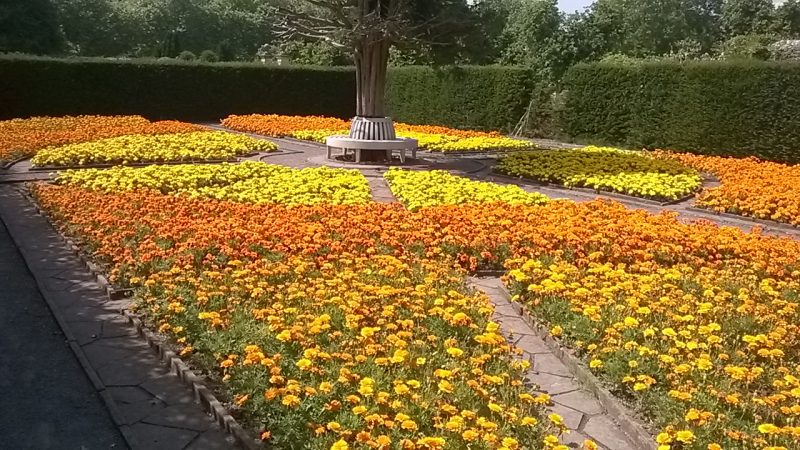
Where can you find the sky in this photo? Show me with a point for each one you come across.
(569, 6)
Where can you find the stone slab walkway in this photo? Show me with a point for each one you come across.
(47, 399)
(583, 414)
(149, 405)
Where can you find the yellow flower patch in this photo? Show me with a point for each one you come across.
(248, 182)
(197, 146)
(418, 189)
(606, 169)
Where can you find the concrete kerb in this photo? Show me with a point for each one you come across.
(168, 357)
(634, 430)
(76, 349)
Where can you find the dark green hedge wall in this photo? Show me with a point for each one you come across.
(715, 107)
(475, 97)
(175, 90)
(469, 97)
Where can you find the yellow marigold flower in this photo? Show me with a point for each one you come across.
(470, 435)
(589, 445)
(663, 438)
(528, 420)
(408, 425)
(290, 400)
(340, 445)
(767, 428)
(684, 436)
(304, 364)
(556, 331)
(595, 364)
(455, 352)
(446, 386)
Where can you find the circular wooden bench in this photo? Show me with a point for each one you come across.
(346, 143)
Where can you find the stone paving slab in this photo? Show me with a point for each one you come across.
(583, 414)
(149, 404)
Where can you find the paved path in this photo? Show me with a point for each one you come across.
(46, 399)
(583, 414)
(149, 405)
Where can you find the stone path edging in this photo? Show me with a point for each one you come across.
(151, 409)
(614, 413)
(170, 359)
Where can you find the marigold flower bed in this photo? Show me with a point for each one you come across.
(317, 317)
(750, 187)
(606, 169)
(248, 182)
(418, 189)
(197, 146)
(23, 137)
(432, 138)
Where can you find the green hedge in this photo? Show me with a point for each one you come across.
(169, 89)
(468, 97)
(715, 107)
(475, 97)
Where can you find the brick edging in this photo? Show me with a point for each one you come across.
(168, 357)
(634, 430)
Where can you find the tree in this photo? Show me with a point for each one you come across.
(530, 33)
(787, 19)
(741, 17)
(29, 26)
(367, 30)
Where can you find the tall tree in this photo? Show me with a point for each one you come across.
(787, 19)
(740, 17)
(29, 26)
(367, 29)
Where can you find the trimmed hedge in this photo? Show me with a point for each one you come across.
(160, 89)
(715, 107)
(474, 97)
(469, 97)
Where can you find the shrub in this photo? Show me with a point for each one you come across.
(737, 108)
(186, 55)
(208, 56)
(485, 98)
(169, 88)
(471, 97)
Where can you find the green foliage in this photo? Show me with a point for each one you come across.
(169, 89)
(743, 107)
(747, 46)
(170, 47)
(186, 55)
(740, 17)
(29, 26)
(468, 97)
(476, 97)
(208, 56)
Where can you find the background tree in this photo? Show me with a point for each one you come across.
(368, 29)
(29, 26)
(742, 17)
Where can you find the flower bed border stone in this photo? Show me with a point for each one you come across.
(168, 357)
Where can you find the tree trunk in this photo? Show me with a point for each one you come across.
(371, 60)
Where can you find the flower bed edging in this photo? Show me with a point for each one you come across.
(169, 358)
(635, 430)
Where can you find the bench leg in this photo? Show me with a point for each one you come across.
(414, 152)
(358, 155)
(329, 151)
(403, 155)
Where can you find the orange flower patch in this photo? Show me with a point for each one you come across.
(23, 137)
(750, 187)
(350, 325)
